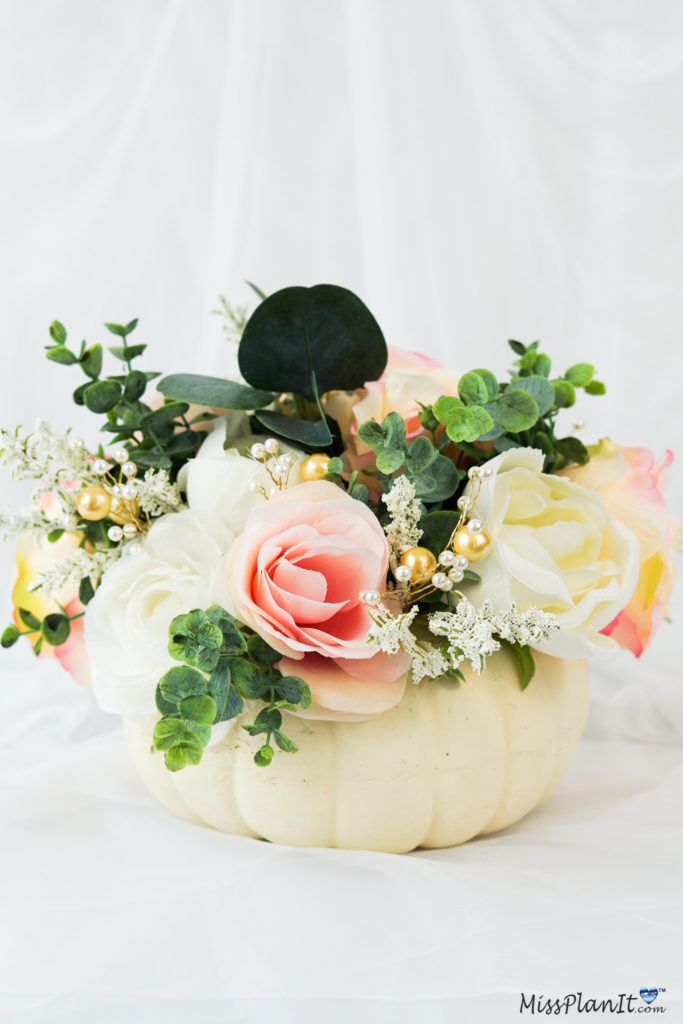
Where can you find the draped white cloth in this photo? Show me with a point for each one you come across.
(475, 170)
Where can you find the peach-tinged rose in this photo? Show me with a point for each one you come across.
(294, 575)
(632, 485)
(33, 558)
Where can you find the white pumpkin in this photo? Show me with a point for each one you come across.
(451, 761)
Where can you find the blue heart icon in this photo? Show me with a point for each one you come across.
(648, 995)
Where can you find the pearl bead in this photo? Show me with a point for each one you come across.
(456, 575)
(255, 487)
(76, 444)
(287, 460)
(258, 451)
(117, 489)
(446, 558)
(475, 526)
(403, 574)
(578, 424)
(473, 472)
(271, 446)
(279, 470)
(121, 455)
(272, 491)
(69, 522)
(314, 467)
(93, 503)
(115, 533)
(371, 597)
(129, 529)
(133, 549)
(128, 492)
(460, 562)
(472, 546)
(421, 563)
(464, 503)
(439, 580)
(485, 472)
(129, 468)
(100, 467)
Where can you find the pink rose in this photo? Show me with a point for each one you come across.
(294, 575)
(632, 486)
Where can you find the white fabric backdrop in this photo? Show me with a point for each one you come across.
(475, 170)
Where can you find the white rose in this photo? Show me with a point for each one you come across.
(217, 480)
(126, 624)
(555, 547)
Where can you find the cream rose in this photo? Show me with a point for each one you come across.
(217, 480)
(555, 547)
(126, 625)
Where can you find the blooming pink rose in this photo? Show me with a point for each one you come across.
(294, 575)
(632, 486)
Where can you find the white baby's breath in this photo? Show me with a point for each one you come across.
(405, 510)
(394, 633)
(157, 495)
(74, 568)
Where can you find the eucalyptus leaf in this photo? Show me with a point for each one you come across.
(580, 374)
(472, 389)
(314, 433)
(213, 391)
(515, 410)
(539, 388)
(102, 396)
(325, 329)
(60, 354)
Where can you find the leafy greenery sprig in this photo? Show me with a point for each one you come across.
(517, 413)
(159, 438)
(223, 664)
(434, 476)
(53, 629)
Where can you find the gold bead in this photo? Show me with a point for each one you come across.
(93, 503)
(474, 546)
(314, 467)
(421, 563)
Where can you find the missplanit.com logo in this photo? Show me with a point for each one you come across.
(577, 1002)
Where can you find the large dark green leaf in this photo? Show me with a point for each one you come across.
(314, 433)
(325, 329)
(213, 391)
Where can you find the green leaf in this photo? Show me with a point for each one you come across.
(55, 535)
(29, 619)
(9, 637)
(134, 388)
(389, 460)
(102, 396)
(86, 591)
(256, 290)
(517, 347)
(228, 701)
(515, 410)
(314, 433)
(79, 393)
(524, 663)
(264, 756)
(262, 652)
(371, 434)
(200, 708)
(56, 629)
(181, 682)
(213, 391)
(580, 374)
(182, 754)
(91, 361)
(565, 396)
(251, 683)
(360, 492)
(573, 450)
(481, 421)
(122, 330)
(335, 466)
(539, 388)
(199, 640)
(437, 528)
(58, 332)
(542, 365)
(596, 387)
(270, 717)
(127, 353)
(490, 382)
(60, 354)
(438, 482)
(325, 329)
(394, 430)
(421, 453)
(294, 690)
(472, 389)
(233, 641)
(284, 742)
(166, 707)
(504, 444)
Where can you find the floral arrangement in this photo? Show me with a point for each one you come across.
(345, 522)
